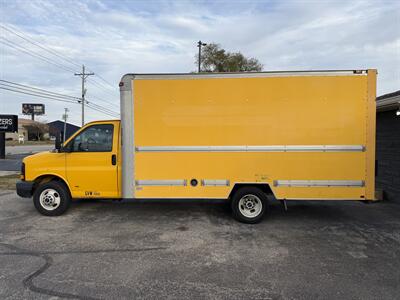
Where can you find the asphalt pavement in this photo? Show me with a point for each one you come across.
(24, 149)
(15, 154)
(195, 250)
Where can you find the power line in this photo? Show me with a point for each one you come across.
(113, 86)
(102, 86)
(102, 107)
(51, 51)
(104, 112)
(102, 100)
(115, 115)
(36, 95)
(34, 54)
(90, 105)
(25, 38)
(52, 61)
(42, 93)
(26, 87)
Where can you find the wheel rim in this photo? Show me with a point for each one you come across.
(250, 206)
(50, 199)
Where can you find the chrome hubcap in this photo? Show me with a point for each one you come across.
(250, 206)
(50, 199)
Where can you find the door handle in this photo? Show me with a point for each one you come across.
(113, 159)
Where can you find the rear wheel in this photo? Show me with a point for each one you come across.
(51, 198)
(249, 205)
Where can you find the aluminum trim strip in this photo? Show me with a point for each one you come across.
(169, 182)
(325, 199)
(250, 74)
(127, 141)
(215, 182)
(277, 148)
(320, 183)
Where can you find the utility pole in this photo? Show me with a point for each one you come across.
(65, 116)
(83, 75)
(199, 44)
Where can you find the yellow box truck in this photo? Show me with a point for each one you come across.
(235, 136)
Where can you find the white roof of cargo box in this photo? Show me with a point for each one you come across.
(150, 76)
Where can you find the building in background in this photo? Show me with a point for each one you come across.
(388, 145)
(22, 131)
(57, 128)
(30, 130)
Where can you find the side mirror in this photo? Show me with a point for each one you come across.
(57, 144)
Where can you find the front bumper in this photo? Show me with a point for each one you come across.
(25, 188)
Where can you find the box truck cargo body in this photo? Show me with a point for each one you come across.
(296, 135)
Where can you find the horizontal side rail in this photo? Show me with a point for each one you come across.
(178, 182)
(215, 182)
(269, 148)
(320, 183)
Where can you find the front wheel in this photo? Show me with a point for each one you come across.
(51, 198)
(249, 205)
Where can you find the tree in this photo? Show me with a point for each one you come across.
(216, 59)
(37, 130)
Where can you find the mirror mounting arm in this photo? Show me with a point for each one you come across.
(57, 143)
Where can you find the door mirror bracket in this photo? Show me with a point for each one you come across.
(65, 149)
(57, 143)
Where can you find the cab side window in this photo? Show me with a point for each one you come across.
(96, 138)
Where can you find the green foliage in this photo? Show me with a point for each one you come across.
(216, 59)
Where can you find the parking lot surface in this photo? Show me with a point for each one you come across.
(15, 154)
(12, 162)
(22, 149)
(195, 250)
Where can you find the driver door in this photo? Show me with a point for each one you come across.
(91, 162)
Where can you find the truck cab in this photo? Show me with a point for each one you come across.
(87, 165)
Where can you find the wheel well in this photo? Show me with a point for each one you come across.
(262, 186)
(46, 178)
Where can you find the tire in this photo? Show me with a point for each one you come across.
(51, 198)
(249, 204)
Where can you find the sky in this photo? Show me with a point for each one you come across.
(113, 38)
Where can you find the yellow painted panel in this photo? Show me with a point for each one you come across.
(371, 129)
(247, 167)
(251, 111)
(335, 193)
(304, 110)
(44, 163)
(91, 174)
